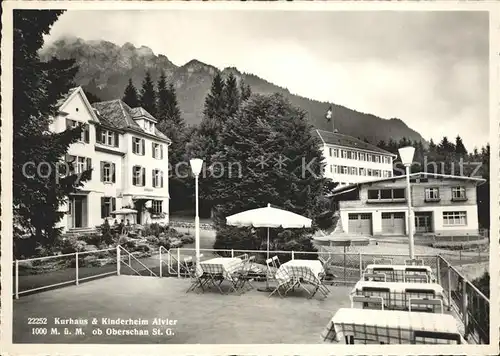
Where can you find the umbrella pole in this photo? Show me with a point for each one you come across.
(268, 243)
(267, 289)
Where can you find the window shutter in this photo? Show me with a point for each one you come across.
(143, 176)
(133, 175)
(153, 178)
(143, 147)
(117, 139)
(161, 151)
(102, 171)
(103, 207)
(89, 166)
(98, 134)
(86, 129)
(113, 204)
(113, 173)
(153, 149)
(161, 179)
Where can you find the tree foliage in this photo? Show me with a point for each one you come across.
(147, 98)
(130, 96)
(38, 89)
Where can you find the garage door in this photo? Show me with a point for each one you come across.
(360, 224)
(393, 223)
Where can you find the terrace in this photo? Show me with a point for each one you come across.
(155, 287)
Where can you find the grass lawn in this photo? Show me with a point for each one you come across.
(201, 318)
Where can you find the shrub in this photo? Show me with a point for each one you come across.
(153, 229)
(187, 239)
(106, 234)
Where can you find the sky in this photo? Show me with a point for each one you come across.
(430, 69)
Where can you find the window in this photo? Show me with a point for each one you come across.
(458, 193)
(336, 152)
(376, 158)
(139, 176)
(108, 205)
(432, 194)
(454, 218)
(331, 152)
(108, 172)
(376, 172)
(355, 155)
(353, 170)
(335, 168)
(138, 146)
(349, 155)
(157, 206)
(108, 138)
(157, 150)
(387, 195)
(361, 156)
(344, 153)
(85, 135)
(344, 170)
(157, 178)
(369, 157)
(362, 171)
(370, 172)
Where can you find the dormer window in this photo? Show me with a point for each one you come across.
(149, 126)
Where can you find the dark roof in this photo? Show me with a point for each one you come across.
(139, 112)
(115, 113)
(338, 139)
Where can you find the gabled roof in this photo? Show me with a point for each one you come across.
(117, 114)
(337, 139)
(70, 95)
(140, 112)
(350, 187)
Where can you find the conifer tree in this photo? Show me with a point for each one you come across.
(38, 88)
(214, 102)
(148, 95)
(231, 96)
(459, 147)
(130, 96)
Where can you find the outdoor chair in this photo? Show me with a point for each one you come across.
(433, 337)
(276, 262)
(416, 277)
(426, 305)
(213, 274)
(382, 261)
(243, 257)
(414, 262)
(242, 276)
(376, 277)
(383, 292)
(196, 281)
(328, 275)
(368, 302)
(283, 280)
(418, 293)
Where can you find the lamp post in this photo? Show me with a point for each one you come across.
(406, 154)
(196, 164)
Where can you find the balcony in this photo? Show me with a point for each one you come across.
(385, 201)
(432, 199)
(459, 199)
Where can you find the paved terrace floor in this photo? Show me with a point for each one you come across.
(201, 318)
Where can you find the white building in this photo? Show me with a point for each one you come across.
(349, 160)
(442, 205)
(129, 157)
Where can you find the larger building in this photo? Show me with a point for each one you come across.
(129, 157)
(349, 160)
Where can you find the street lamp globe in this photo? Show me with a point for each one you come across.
(196, 164)
(406, 154)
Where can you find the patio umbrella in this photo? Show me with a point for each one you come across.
(269, 217)
(125, 211)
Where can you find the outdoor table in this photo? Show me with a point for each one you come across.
(225, 266)
(397, 294)
(285, 271)
(391, 327)
(396, 273)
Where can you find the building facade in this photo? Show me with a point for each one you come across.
(442, 206)
(349, 160)
(128, 157)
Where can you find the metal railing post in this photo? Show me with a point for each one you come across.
(118, 260)
(438, 270)
(232, 253)
(360, 265)
(178, 263)
(17, 278)
(449, 286)
(76, 267)
(293, 255)
(161, 265)
(465, 315)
